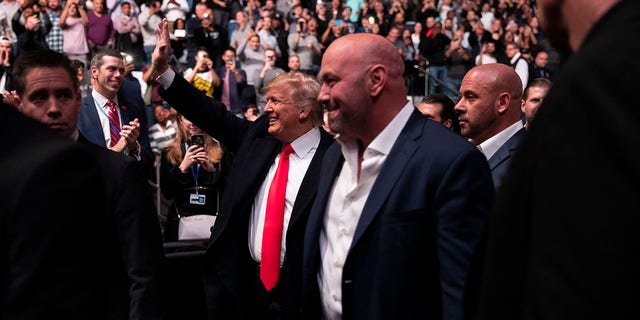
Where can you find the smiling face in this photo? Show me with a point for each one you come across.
(50, 98)
(284, 116)
(343, 91)
(108, 76)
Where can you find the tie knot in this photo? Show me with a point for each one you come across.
(111, 104)
(287, 149)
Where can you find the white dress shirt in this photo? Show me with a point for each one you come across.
(101, 106)
(299, 160)
(346, 201)
(491, 145)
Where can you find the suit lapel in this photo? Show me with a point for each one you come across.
(309, 186)
(401, 152)
(89, 122)
(125, 113)
(331, 166)
(505, 151)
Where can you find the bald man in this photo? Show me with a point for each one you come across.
(402, 200)
(489, 114)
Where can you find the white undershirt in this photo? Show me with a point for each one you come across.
(299, 160)
(346, 201)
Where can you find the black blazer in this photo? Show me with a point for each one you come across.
(53, 225)
(563, 237)
(135, 250)
(230, 272)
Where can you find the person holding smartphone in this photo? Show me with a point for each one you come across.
(193, 164)
(232, 85)
(304, 45)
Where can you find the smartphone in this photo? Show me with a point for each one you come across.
(372, 20)
(197, 139)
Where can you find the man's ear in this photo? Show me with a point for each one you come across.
(503, 101)
(304, 112)
(377, 80)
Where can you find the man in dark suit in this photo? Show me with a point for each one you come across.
(51, 248)
(489, 114)
(107, 78)
(563, 238)
(48, 92)
(402, 200)
(235, 282)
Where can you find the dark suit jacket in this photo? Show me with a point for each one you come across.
(563, 240)
(53, 225)
(499, 161)
(89, 123)
(231, 278)
(418, 229)
(135, 237)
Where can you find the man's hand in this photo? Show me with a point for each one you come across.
(160, 56)
(131, 132)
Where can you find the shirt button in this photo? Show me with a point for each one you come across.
(335, 297)
(337, 264)
(344, 231)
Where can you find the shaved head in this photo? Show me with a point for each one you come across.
(361, 93)
(490, 102)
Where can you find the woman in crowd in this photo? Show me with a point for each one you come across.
(192, 166)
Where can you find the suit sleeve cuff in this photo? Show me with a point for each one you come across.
(166, 78)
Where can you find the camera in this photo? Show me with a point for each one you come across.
(229, 59)
(300, 26)
(197, 139)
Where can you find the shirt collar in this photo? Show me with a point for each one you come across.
(385, 140)
(306, 142)
(491, 145)
(102, 100)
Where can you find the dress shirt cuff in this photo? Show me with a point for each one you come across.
(166, 78)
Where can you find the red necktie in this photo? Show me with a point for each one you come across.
(114, 123)
(273, 221)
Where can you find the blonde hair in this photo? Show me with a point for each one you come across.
(303, 90)
(175, 150)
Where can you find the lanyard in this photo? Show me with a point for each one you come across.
(195, 173)
(111, 124)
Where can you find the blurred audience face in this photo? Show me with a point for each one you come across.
(189, 127)
(541, 60)
(294, 63)
(530, 104)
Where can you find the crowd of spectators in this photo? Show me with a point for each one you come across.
(444, 38)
